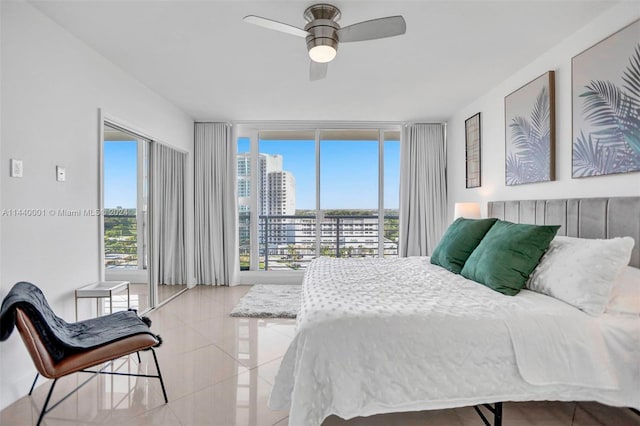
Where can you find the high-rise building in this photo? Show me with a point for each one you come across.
(244, 181)
(267, 164)
(282, 185)
(276, 196)
(281, 199)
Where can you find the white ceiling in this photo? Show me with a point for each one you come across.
(201, 56)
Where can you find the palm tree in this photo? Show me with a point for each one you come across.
(615, 146)
(530, 158)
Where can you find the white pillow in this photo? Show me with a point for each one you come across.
(581, 271)
(625, 297)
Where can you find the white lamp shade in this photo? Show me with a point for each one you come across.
(467, 210)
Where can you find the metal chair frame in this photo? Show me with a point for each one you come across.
(45, 409)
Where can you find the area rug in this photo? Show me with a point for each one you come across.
(269, 301)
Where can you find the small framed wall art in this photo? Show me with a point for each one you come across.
(605, 82)
(473, 153)
(530, 132)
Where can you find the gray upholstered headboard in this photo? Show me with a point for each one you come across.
(579, 217)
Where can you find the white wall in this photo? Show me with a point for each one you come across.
(491, 105)
(52, 87)
(3, 168)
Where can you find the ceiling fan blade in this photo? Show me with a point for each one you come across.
(318, 70)
(373, 29)
(275, 25)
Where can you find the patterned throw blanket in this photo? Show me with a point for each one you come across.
(60, 337)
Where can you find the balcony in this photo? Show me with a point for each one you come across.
(289, 242)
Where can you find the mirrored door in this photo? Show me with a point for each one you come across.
(125, 217)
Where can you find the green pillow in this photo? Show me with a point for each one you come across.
(507, 255)
(457, 244)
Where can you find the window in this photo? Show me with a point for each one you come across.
(317, 192)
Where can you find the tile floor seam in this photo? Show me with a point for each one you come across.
(261, 376)
(231, 355)
(207, 386)
(285, 417)
(241, 361)
(175, 415)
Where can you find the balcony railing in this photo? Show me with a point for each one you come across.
(289, 242)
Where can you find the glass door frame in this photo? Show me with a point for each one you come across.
(139, 275)
(251, 130)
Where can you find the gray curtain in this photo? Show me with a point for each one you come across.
(423, 189)
(215, 204)
(167, 221)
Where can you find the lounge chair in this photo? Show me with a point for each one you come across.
(58, 348)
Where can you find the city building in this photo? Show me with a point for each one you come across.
(281, 194)
(276, 197)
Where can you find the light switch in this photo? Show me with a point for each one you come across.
(15, 169)
(61, 174)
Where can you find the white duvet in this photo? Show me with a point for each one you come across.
(389, 335)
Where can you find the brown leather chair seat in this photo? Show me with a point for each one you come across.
(79, 362)
(48, 368)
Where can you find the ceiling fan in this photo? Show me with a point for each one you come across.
(323, 33)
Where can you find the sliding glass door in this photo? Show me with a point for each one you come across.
(316, 192)
(143, 221)
(125, 189)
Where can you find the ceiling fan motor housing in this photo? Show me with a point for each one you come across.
(322, 26)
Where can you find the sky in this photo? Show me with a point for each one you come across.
(348, 171)
(120, 174)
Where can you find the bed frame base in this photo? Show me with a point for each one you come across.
(496, 410)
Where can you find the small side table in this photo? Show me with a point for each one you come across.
(100, 290)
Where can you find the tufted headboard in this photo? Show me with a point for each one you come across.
(578, 217)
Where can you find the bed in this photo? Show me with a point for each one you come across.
(390, 335)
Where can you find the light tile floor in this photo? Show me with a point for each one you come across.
(219, 371)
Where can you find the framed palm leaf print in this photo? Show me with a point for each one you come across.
(472, 151)
(605, 82)
(530, 132)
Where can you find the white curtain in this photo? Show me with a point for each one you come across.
(215, 205)
(423, 189)
(167, 221)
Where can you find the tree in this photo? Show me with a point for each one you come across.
(327, 251)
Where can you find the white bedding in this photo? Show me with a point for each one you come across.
(569, 349)
(389, 335)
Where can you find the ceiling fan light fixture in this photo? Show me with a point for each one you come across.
(323, 33)
(322, 53)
